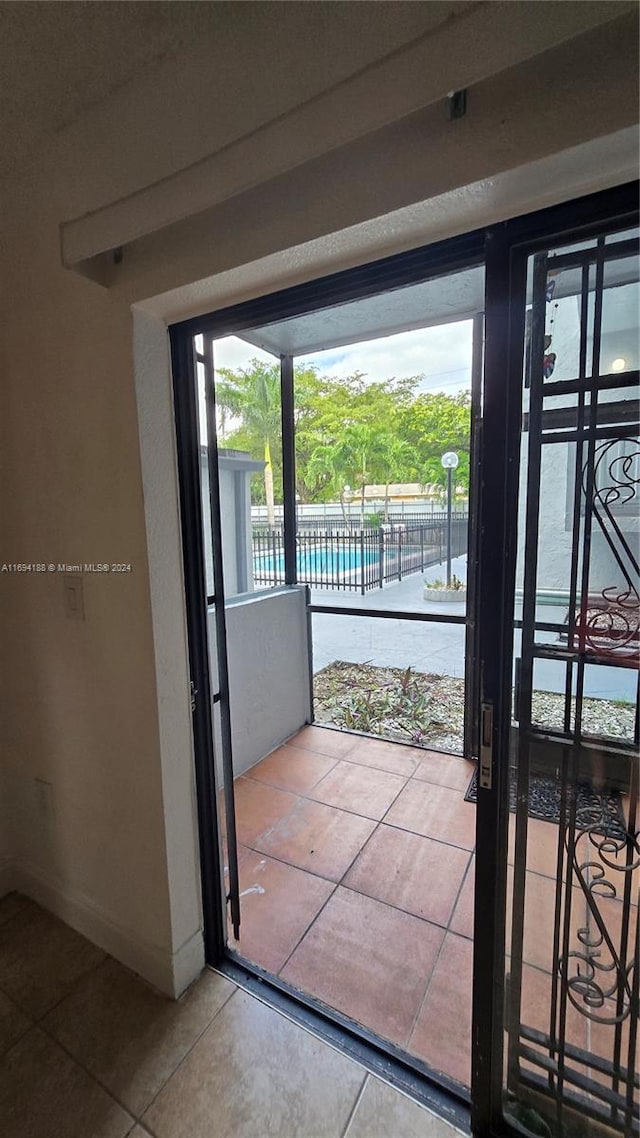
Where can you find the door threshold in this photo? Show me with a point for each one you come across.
(442, 1096)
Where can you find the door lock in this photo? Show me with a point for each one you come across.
(486, 746)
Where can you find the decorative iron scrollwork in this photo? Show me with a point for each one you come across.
(608, 624)
(602, 985)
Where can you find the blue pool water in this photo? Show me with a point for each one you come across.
(317, 562)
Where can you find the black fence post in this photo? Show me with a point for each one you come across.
(400, 553)
(381, 557)
(362, 586)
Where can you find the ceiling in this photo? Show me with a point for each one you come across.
(59, 59)
(440, 300)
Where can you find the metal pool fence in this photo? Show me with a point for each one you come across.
(357, 561)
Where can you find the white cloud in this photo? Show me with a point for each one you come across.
(442, 354)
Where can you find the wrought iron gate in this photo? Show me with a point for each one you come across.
(571, 1002)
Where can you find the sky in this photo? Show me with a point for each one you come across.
(442, 354)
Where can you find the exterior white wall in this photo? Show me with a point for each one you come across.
(268, 653)
(228, 525)
(234, 472)
(558, 461)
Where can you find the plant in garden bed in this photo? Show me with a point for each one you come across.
(456, 584)
(428, 710)
(396, 703)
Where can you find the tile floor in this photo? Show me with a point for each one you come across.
(87, 1050)
(356, 862)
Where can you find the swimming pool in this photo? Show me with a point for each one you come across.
(319, 561)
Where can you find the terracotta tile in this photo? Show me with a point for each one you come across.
(462, 919)
(318, 838)
(612, 910)
(384, 1111)
(539, 918)
(258, 808)
(385, 756)
(536, 1000)
(41, 958)
(127, 1035)
(413, 873)
(359, 789)
(435, 812)
(44, 1094)
(369, 961)
(325, 740)
(442, 1034)
(292, 768)
(542, 845)
(255, 1073)
(446, 770)
(277, 905)
(13, 1023)
(601, 1043)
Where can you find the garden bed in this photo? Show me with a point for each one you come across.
(428, 710)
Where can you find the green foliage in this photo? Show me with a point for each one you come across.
(399, 705)
(435, 423)
(438, 583)
(350, 433)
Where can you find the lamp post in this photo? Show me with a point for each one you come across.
(449, 462)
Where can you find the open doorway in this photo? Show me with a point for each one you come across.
(339, 443)
(346, 858)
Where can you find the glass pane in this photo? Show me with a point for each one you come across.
(620, 340)
(374, 417)
(248, 409)
(398, 679)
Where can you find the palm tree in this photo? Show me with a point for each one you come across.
(253, 395)
(397, 458)
(329, 461)
(350, 458)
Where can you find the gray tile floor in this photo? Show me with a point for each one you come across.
(87, 1050)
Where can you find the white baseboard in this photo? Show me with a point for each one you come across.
(169, 972)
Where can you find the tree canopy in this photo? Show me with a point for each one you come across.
(350, 433)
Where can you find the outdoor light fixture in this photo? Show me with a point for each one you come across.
(619, 364)
(449, 461)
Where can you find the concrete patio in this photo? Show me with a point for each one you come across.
(391, 643)
(431, 647)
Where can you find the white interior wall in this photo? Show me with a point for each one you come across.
(99, 709)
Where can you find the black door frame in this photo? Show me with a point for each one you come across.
(503, 249)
